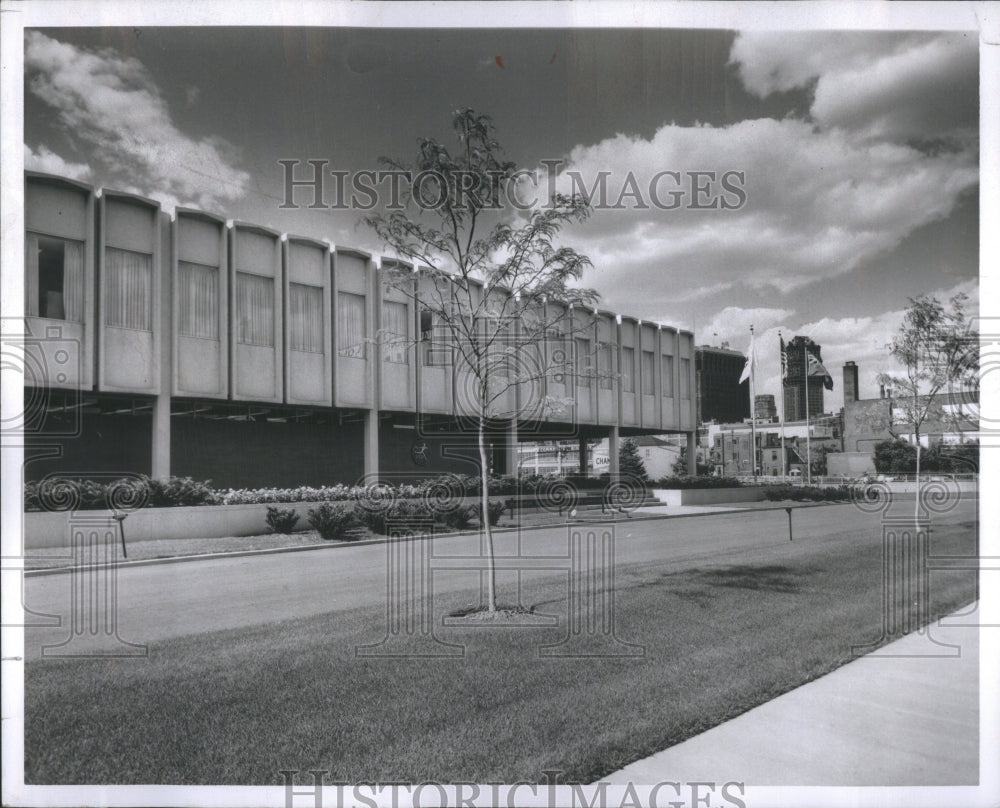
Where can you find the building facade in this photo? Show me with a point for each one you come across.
(730, 453)
(764, 408)
(194, 346)
(802, 393)
(721, 396)
(851, 389)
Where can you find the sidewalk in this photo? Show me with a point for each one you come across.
(897, 717)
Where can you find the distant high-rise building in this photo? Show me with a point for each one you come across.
(798, 383)
(850, 382)
(763, 407)
(721, 397)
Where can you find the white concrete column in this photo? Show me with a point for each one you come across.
(161, 404)
(510, 448)
(371, 468)
(161, 437)
(614, 447)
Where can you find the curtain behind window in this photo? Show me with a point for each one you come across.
(254, 309)
(606, 365)
(198, 293)
(686, 378)
(582, 362)
(31, 275)
(73, 280)
(628, 370)
(351, 325)
(648, 369)
(667, 363)
(128, 295)
(305, 313)
(395, 331)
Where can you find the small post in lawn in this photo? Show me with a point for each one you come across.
(120, 519)
(789, 512)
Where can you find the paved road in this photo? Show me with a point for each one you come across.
(173, 600)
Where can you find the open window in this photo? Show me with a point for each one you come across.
(54, 278)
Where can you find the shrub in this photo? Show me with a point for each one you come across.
(699, 482)
(403, 515)
(281, 520)
(461, 517)
(494, 509)
(175, 491)
(331, 520)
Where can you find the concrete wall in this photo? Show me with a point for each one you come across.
(199, 522)
(707, 496)
(849, 464)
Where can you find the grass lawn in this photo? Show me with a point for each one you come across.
(239, 706)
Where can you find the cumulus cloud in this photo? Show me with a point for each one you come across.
(732, 324)
(112, 103)
(887, 85)
(818, 204)
(48, 162)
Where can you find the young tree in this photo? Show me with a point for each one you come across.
(818, 462)
(681, 468)
(936, 347)
(629, 462)
(494, 289)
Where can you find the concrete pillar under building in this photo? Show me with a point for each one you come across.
(614, 447)
(692, 453)
(161, 403)
(371, 445)
(584, 456)
(161, 437)
(510, 448)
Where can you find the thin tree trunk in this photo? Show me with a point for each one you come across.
(916, 506)
(484, 501)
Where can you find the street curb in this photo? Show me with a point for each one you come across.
(148, 562)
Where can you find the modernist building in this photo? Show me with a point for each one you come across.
(194, 346)
(721, 397)
(798, 386)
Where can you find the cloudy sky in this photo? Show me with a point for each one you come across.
(858, 151)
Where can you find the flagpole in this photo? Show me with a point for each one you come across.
(753, 415)
(782, 359)
(805, 370)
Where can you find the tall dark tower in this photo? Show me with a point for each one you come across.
(721, 396)
(850, 382)
(797, 385)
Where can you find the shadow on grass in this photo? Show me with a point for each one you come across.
(700, 585)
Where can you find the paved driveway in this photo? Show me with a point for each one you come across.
(172, 600)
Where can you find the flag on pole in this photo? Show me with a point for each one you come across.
(816, 369)
(784, 358)
(751, 365)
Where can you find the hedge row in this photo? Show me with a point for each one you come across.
(689, 482)
(810, 493)
(142, 491)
